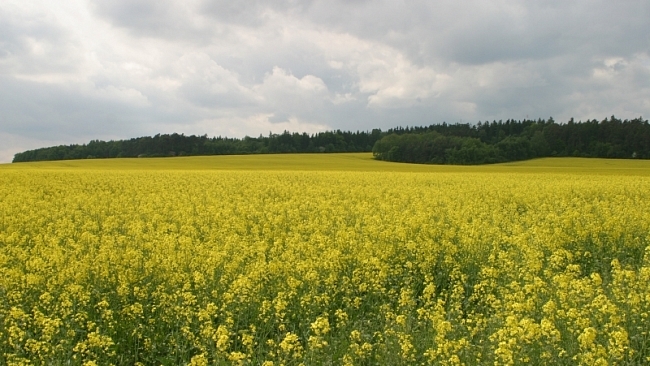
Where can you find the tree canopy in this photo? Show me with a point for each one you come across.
(481, 143)
(179, 145)
(516, 140)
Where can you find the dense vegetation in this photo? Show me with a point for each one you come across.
(178, 145)
(516, 140)
(439, 144)
(277, 267)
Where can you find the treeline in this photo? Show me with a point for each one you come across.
(180, 145)
(512, 140)
(485, 142)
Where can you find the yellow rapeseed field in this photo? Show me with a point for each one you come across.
(324, 259)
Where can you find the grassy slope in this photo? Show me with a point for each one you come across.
(340, 162)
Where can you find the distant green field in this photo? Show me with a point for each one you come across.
(340, 162)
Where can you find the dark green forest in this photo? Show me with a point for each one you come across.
(497, 142)
(181, 145)
(481, 143)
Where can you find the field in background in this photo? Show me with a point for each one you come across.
(324, 259)
(340, 162)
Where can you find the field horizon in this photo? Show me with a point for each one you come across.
(340, 162)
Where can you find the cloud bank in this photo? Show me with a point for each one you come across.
(77, 70)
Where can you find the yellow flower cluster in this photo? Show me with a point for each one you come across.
(323, 267)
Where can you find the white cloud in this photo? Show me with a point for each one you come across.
(122, 95)
(340, 98)
(279, 87)
(382, 72)
(207, 84)
(235, 126)
(262, 122)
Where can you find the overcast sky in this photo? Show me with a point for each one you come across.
(76, 70)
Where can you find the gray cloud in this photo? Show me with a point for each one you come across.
(80, 70)
(253, 12)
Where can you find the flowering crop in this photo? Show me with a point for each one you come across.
(282, 267)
